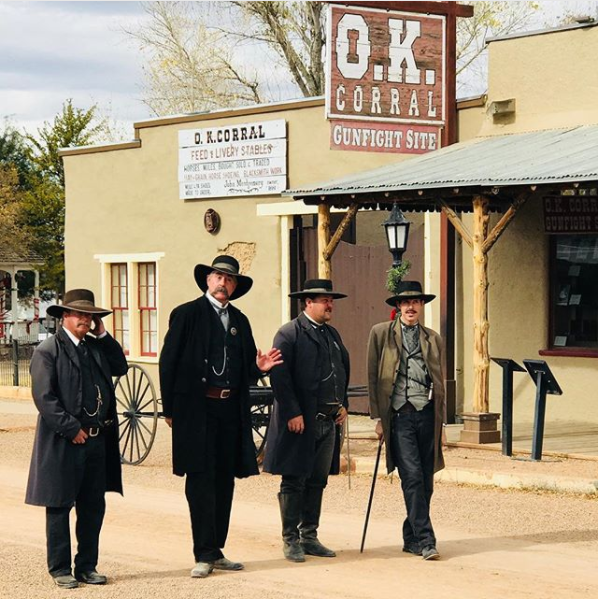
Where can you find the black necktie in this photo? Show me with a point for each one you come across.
(82, 347)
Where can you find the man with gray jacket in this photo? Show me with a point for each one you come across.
(406, 393)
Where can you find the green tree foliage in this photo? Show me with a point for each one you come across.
(14, 152)
(14, 238)
(42, 206)
(72, 127)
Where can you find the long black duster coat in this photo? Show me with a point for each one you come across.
(184, 371)
(55, 470)
(295, 386)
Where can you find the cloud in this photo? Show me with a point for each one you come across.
(51, 51)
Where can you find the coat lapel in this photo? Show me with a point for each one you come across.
(69, 347)
(309, 329)
(424, 341)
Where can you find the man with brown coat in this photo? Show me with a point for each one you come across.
(406, 393)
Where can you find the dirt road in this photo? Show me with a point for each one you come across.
(493, 543)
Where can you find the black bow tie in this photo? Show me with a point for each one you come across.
(222, 311)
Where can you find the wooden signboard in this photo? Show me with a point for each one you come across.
(386, 66)
(235, 160)
(571, 214)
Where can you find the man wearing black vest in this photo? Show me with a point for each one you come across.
(75, 454)
(207, 364)
(310, 405)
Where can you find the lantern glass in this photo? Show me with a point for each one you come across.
(397, 233)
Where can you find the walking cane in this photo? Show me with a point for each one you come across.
(367, 514)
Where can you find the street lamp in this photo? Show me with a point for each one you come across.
(397, 233)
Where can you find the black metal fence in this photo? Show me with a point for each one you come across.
(15, 358)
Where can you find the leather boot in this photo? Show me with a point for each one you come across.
(310, 520)
(290, 514)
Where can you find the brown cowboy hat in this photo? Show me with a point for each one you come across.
(317, 287)
(81, 300)
(408, 290)
(227, 265)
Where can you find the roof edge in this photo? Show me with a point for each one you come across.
(112, 147)
(520, 34)
(230, 112)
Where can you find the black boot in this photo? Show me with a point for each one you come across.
(310, 520)
(290, 514)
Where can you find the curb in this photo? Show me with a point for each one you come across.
(9, 392)
(502, 480)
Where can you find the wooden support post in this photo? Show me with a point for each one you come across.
(503, 223)
(457, 223)
(324, 266)
(481, 358)
(340, 230)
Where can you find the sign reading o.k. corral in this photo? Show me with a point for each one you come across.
(386, 66)
(237, 160)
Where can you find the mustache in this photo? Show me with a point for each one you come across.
(221, 289)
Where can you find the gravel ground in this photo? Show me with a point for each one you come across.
(512, 512)
(472, 523)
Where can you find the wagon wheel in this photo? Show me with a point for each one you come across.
(136, 402)
(260, 420)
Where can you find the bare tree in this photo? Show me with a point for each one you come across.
(189, 64)
(206, 55)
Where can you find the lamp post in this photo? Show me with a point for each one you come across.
(397, 233)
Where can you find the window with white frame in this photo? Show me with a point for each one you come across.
(119, 304)
(147, 308)
(130, 286)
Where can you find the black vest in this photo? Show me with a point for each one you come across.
(331, 389)
(225, 354)
(94, 388)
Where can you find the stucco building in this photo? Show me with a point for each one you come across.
(133, 238)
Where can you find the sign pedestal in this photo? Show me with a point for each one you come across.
(480, 428)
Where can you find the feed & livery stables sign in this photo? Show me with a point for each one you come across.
(236, 160)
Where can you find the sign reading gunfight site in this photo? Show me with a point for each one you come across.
(388, 67)
(237, 160)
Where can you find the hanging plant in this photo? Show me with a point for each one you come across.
(396, 274)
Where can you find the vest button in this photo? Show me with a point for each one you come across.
(203, 380)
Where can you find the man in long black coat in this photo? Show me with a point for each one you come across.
(207, 364)
(75, 454)
(310, 405)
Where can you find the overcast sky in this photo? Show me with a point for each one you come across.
(51, 51)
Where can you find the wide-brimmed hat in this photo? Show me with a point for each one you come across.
(228, 266)
(408, 290)
(317, 287)
(81, 300)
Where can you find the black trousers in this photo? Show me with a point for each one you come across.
(90, 507)
(412, 446)
(325, 434)
(210, 493)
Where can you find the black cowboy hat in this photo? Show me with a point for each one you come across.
(408, 290)
(81, 300)
(228, 266)
(317, 287)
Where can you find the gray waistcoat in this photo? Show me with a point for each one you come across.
(413, 382)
